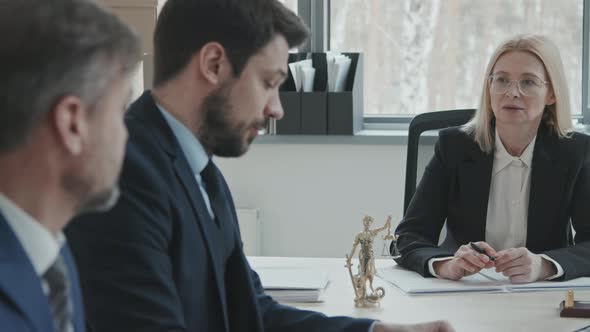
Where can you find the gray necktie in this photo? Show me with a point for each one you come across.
(59, 294)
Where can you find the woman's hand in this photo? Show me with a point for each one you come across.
(466, 262)
(522, 266)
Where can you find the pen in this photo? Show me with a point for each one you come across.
(481, 251)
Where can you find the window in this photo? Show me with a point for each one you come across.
(291, 4)
(427, 55)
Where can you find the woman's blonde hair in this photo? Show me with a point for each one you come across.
(556, 117)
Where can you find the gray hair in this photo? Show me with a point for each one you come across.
(53, 49)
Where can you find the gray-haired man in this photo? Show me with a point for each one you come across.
(65, 69)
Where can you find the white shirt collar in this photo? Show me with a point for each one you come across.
(502, 158)
(39, 243)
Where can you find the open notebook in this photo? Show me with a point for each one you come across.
(290, 284)
(487, 280)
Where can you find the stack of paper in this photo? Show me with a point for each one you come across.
(486, 281)
(303, 75)
(293, 284)
(338, 68)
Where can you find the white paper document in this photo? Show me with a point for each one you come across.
(338, 68)
(303, 75)
(307, 77)
(290, 284)
(487, 280)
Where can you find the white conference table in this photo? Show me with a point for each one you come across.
(531, 311)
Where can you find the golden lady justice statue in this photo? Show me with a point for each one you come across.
(366, 269)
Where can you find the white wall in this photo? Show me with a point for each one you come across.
(312, 197)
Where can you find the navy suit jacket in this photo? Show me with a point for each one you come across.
(156, 261)
(23, 304)
(455, 187)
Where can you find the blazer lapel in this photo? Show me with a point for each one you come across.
(476, 174)
(548, 177)
(19, 281)
(148, 112)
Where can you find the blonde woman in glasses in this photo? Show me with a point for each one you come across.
(510, 183)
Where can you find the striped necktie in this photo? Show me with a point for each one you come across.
(59, 295)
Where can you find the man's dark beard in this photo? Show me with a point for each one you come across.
(217, 134)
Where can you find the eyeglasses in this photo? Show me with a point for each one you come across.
(528, 86)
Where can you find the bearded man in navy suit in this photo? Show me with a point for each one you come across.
(170, 257)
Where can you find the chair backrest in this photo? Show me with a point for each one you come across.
(421, 123)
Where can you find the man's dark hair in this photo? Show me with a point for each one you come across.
(242, 27)
(53, 49)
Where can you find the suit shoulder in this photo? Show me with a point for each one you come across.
(455, 134)
(577, 139)
(455, 144)
(146, 163)
(575, 146)
(456, 139)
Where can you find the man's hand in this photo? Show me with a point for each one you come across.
(466, 262)
(437, 326)
(522, 266)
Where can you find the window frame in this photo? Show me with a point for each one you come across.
(585, 118)
(316, 15)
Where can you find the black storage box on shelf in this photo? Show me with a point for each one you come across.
(321, 112)
(290, 124)
(314, 105)
(345, 109)
(305, 112)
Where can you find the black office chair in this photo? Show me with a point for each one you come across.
(421, 123)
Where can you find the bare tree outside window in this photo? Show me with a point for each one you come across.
(428, 55)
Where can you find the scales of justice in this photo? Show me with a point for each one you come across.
(369, 297)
